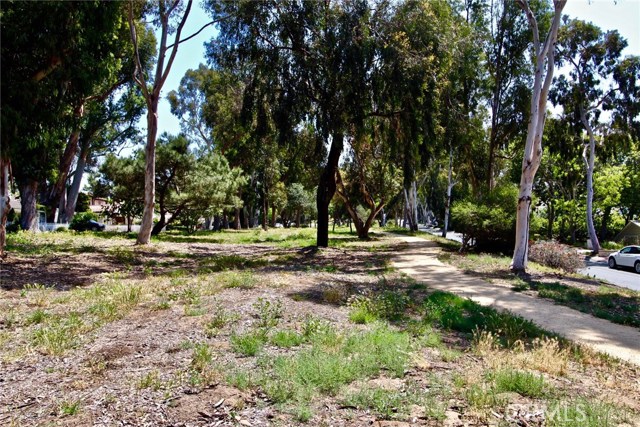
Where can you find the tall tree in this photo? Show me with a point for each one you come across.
(170, 16)
(62, 59)
(544, 51)
(592, 56)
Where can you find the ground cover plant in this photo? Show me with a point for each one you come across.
(187, 331)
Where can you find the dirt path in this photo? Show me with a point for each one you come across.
(420, 262)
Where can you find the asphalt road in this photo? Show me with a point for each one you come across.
(624, 277)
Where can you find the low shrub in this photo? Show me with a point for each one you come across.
(555, 255)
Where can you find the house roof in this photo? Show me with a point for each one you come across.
(632, 228)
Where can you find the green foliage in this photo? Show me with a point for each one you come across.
(248, 344)
(81, 219)
(286, 339)
(487, 223)
(524, 383)
(453, 312)
(268, 313)
(388, 305)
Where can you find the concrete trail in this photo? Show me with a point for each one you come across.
(420, 262)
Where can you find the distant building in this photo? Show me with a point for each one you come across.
(630, 234)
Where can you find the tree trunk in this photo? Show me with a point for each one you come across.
(544, 50)
(144, 235)
(72, 196)
(5, 204)
(273, 216)
(450, 184)
(589, 157)
(28, 200)
(236, 221)
(326, 190)
(298, 217)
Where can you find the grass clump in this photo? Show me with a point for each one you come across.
(268, 313)
(58, 335)
(150, 380)
(286, 339)
(387, 305)
(69, 408)
(248, 344)
(453, 312)
(237, 279)
(333, 361)
(201, 357)
(394, 404)
(524, 383)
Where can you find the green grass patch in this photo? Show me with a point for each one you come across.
(286, 338)
(248, 344)
(395, 404)
(524, 383)
(607, 303)
(453, 312)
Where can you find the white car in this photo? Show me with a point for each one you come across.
(629, 256)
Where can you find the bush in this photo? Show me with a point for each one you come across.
(487, 224)
(555, 255)
(81, 218)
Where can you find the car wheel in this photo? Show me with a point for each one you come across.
(94, 228)
(612, 263)
(637, 267)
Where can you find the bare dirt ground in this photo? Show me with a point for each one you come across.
(136, 368)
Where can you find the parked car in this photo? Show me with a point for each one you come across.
(629, 256)
(89, 224)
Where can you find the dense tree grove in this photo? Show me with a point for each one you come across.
(357, 110)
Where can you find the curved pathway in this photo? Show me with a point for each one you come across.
(419, 261)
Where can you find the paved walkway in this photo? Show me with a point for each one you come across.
(419, 261)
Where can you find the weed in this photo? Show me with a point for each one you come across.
(387, 305)
(221, 318)
(194, 311)
(324, 369)
(248, 344)
(69, 408)
(482, 396)
(286, 339)
(150, 380)
(524, 383)
(201, 357)
(242, 380)
(36, 317)
(268, 313)
(58, 336)
(236, 279)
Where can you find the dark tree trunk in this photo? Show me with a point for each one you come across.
(265, 211)
(72, 196)
(326, 190)
(28, 199)
(236, 221)
(63, 173)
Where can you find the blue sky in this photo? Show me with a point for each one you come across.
(621, 15)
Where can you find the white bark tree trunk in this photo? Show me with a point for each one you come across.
(589, 157)
(544, 51)
(152, 96)
(450, 184)
(5, 204)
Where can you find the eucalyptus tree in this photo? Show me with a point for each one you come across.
(592, 56)
(544, 52)
(418, 40)
(301, 64)
(47, 71)
(169, 16)
(507, 41)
